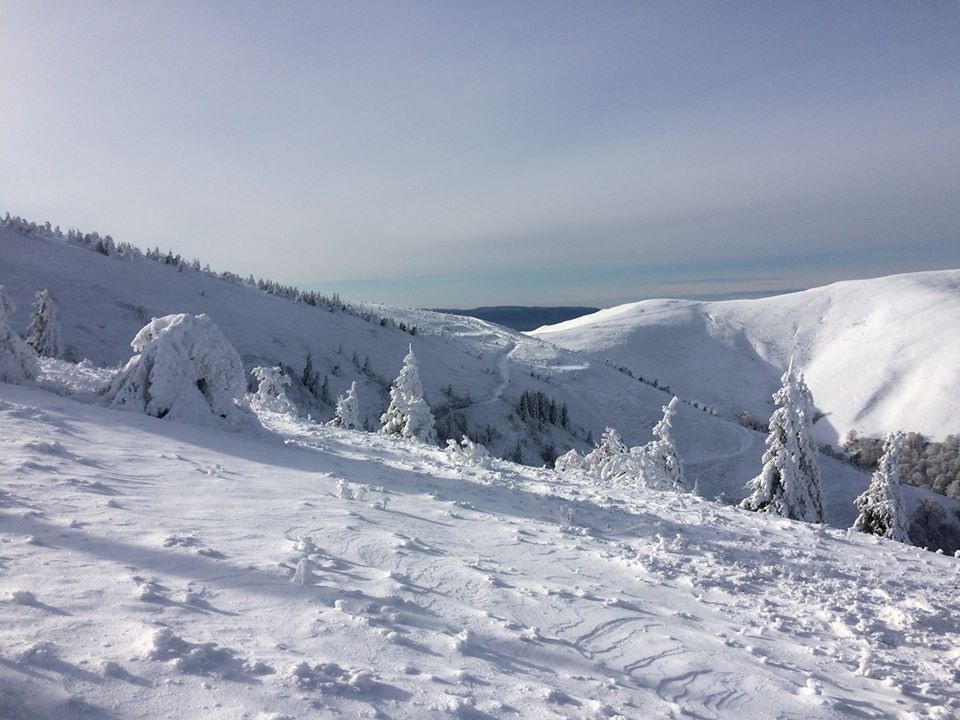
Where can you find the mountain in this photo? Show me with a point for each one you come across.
(878, 354)
(523, 318)
(474, 373)
(153, 569)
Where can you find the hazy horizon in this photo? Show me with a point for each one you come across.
(454, 155)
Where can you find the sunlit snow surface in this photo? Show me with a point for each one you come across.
(879, 355)
(158, 570)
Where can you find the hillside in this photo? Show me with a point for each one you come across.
(474, 372)
(150, 570)
(878, 354)
(522, 317)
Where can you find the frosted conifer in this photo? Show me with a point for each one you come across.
(348, 412)
(881, 506)
(408, 414)
(184, 369)
(43, 333)
(18, 361)
(667, 472)
(789, 483)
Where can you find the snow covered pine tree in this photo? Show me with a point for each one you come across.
(18, 361)
(881, 506)
(43, 333)
(408, 414)
(789, 483)
(348, 411)
(664, 460)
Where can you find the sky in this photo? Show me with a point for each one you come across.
(453, 154)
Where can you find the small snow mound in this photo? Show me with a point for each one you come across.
(23, 597)
(330, 678)
(112, 669)
(193, 658)
(306, 545)
(39, 654)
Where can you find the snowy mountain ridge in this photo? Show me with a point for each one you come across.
(474, 373)
(879, 355)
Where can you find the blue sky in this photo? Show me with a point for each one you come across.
(456, 154)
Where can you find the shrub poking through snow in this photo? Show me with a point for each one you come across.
(271, 395)
(467, 452)
(881, 506)
(348, 410)
(43, 333)
(789, 483)
(655, 465)
(570, 461)
(185, 370)
(18, 361)
(408, 414)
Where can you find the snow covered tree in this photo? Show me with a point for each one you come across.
(467, 452)
(185, 370)
(881, 506)
(348, 410)
(18, 361)
(43, 333)
(599, 462)
(789, 483)
(570, 461)
(271, 395)
(408, 414)
(666, 472)
(310, 377)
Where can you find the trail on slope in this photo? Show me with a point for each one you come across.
(503, 367)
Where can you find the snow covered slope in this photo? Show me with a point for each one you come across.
(150, 569)
(473, 372)
(878, 354)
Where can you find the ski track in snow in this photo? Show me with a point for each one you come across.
(154, 570)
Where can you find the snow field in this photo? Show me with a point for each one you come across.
(153, 569)
(879, 355)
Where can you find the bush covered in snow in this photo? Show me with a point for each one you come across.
(270, 395)
(18, 361)
(467, 452)
(655, 465)
(184, 369)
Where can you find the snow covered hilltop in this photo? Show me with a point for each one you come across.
(209, 525)
(879, 355)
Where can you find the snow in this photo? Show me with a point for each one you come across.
(879, 355)
(184, 370)
(105, 301)
(178, 568)
(158, 569)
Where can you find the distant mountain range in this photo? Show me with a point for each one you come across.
(519, 317)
